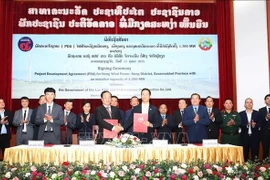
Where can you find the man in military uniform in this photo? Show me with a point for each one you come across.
(231, 124)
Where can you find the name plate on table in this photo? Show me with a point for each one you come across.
(86, 143)
(160, 143)
(32, 143)
(210, 142)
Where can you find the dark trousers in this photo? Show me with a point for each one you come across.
(179, 136)
(35, 135)
(165, 135)
(266, 144)
(250, 142)
(4, 143)
(49, 138)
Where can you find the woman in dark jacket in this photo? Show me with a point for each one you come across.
(85, 122)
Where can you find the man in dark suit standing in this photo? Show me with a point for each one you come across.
(196, 119)
(214, 117)
(69, 123)
(250, 136)
(5, 122)
(178, 117)
(21, 120)
(106, 111)
(167, 124)
(265, 126)
(41, 101)
(115, 103)
(50, 118)
(153, 117)
(134, 101)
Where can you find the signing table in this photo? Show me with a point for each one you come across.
(83, 154)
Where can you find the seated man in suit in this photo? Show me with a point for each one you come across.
(21, 120)
(153, 117)
(196, 119)
(214, 117)
(230, 125)
(250, 133)
(134, 101)
(115, 103)
(265, 126)
(50, 117)
(178, 117)
(41, 101)
(167, 124)
(106, 111)
(5, 122)
(69, 123)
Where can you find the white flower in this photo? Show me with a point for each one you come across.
(125, 168)
(124, 140)
(93, 172)
(182, 171)
(250, 179)
(228, 178)
(8, 175)
(112, 174)
(77, 173)
(27, 174)
(195, 177)
(260, 178)
(245, 167)
(236, 178)
(184, 166)
(137, 170)
(229, 170)
(104, 175)
(174, 168)
(74, 178)
(13, 169)
(54, 176)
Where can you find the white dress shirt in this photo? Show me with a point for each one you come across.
(145, 108)
(249, 121)
(4, 128)
(24, 124)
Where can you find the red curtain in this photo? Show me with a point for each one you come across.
(6, 30)
(223, 25)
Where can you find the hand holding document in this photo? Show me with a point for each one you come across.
(139, 121)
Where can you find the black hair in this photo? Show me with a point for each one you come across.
(195, 94)
(268, 95)
(146, 89)
(228, 99)
(209, 97)
(115, 97)
(134, 97)
(41, 96)
(68, 100)
(103, 92)
(86, 102)
(24, 97)
(49, 89)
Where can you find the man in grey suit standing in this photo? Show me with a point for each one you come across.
(21, 120)
(50, 117)
(69, 123)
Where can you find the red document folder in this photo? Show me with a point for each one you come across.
(107, 133)
(138, 122)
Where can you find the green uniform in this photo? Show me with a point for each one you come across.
(230, 134)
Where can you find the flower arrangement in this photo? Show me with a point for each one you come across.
(152, 170)
(125, 141)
